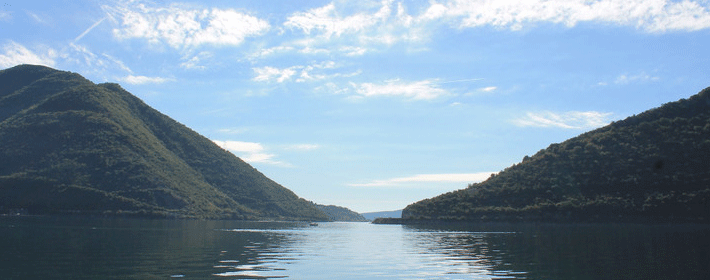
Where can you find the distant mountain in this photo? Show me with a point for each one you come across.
(383, 214)
(341, 214)
(72, 146)
(651, 167)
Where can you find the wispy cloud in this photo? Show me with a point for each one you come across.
(488, 89)
(640, 77)
(233, 130)
(141, 80)
(269, 74)
(302, 147)
(299, 73)
(37, 18)
(388, 22)
(417, 90)
(427, 178)
(328, 21)
(253, 152)
(351, 29)
(14, 54)
(182, 27)
(566, 120)
(196, 61)
(651, 16)
(250, 152)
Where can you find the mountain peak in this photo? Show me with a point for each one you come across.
(71, 146)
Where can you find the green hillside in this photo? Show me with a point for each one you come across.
(341, 214)
(651, 167)
(72, 146)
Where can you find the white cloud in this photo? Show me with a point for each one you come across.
(304, 73)
(354, 29)
(327, 20)
(140, 80)
(14, 54)
(651, 16)
(268, 74)
(641, 77)
(234, 130)
(250, 152)
(567, 120)
(184, 28)
(488, 89)
(418, 90)
(261, 53)
(428, 178)
(195, 62)
(302, 147)
(353, 51)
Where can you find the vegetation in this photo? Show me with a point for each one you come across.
(71, 146)
(651, 167)
(341, 214)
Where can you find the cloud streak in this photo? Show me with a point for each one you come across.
(299, 73)
(250, 152)
(142, 80)
(651, 16)
(566, 120)
(624, 79)
(428, 178)
(89, 29)
(418, 90)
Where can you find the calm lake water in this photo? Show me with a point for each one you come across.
(84, 248)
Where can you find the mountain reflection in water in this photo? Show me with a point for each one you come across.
(84, 248)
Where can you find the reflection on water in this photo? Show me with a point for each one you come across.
(80, 248)
(365, 251)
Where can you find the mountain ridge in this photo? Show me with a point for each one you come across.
(649, 167)
(74, 146)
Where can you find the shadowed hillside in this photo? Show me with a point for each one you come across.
(651, 167)
(72, 146)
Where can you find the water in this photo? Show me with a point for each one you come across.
(84, 248)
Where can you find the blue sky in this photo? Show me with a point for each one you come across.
(374, 105)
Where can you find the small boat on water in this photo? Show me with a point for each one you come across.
(313, 224)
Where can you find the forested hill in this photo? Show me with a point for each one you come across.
(72, 146)
(651, 167)
(341, 214)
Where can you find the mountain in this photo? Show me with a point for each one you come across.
(341, 214)
(383, 214)
(654, 166)
(72, 146)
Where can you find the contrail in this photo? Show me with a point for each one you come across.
(88, 30)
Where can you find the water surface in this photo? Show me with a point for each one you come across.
(86, 248)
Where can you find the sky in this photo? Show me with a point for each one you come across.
(374, 105)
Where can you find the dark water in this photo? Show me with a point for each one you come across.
(83, 248)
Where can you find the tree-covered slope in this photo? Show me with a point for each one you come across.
(341, 214)
(653, 167)
(69, 145)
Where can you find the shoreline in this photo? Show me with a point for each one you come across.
(625, 220)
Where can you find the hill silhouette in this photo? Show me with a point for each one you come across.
(72, 146)
(654, 166)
